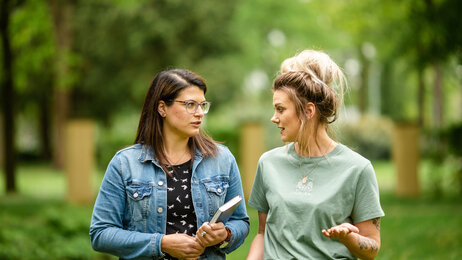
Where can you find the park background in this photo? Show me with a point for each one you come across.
(83, 67)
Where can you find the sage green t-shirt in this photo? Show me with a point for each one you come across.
(303, 195)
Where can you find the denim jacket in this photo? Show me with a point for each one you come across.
(129, 216)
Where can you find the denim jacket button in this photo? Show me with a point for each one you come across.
(160, 210)
(135, 195)
(160, 183)
(219, 190)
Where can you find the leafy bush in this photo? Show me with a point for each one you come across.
(370, 136)
(111, 138)
(443, 148)
(35, 229)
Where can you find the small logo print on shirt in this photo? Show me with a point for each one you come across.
(305, 185)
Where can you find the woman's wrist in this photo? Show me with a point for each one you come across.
(225, 242)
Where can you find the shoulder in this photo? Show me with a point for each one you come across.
(136, 152)
(274, 153)
(132, 149)
(223, 154)
(348, 156)
(223, 150)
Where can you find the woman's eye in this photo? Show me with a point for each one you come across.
(190, 104)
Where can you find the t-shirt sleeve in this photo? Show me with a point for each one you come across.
(367, 201)
(257, 199)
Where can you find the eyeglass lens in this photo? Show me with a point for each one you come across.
(191, 106)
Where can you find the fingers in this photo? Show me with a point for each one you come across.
(182, 246)
(354, 229)
(211, 234)
(340, 231)
(217, 226)
(192, 248)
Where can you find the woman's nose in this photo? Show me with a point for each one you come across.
(199, 111)
(274, 119)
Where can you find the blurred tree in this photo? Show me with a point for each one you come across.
(33, 45)
(123, 44)
(108, 51)
(8, 95)
(414, 35)
(61, 12)
(428, 40)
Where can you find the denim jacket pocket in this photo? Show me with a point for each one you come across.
(138, 200)
(216, 191)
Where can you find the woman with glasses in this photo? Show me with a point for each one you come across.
(158, 195)
(316, 198)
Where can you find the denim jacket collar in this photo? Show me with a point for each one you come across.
(147, 154)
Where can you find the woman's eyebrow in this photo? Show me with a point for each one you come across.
(195, 100)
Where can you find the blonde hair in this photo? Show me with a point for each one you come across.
(320, 66)
(312, 76)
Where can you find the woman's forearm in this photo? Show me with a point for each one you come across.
(256, 248)
(361, 246)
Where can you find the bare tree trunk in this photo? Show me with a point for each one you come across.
(460, 104)
(364, 85)
(61, 11)
(438, 96)
(44, 126)
(421, 97)
(8, 100)
(386, 93)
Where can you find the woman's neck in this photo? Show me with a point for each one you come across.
(176, 149)
(318, 145)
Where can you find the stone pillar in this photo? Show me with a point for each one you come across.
(79, 160)
(251, 148)
(405, 154)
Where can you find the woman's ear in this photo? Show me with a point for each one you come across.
(161, 109)
(310, 110)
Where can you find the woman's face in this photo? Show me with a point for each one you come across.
(285, 116)
(178, 121)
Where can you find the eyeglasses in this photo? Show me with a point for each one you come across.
(191, 106)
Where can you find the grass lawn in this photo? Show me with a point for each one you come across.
(39, 224)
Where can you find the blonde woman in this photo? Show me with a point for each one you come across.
(316, 198)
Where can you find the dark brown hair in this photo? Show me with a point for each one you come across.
(166, 86)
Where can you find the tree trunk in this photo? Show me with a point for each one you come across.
(8, 100)
(364, 85)
(421, 97)
(386, 92)
(438, 96)
(44, 126)
(60, 11)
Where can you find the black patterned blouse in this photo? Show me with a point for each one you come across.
(181, 217)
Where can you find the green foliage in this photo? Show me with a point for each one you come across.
(454, 134)
(370, 137)
(35, 229)
(124, 44)
(32, 46)
(121, 134)
(443, 149)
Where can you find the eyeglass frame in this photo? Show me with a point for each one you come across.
(196, 105)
